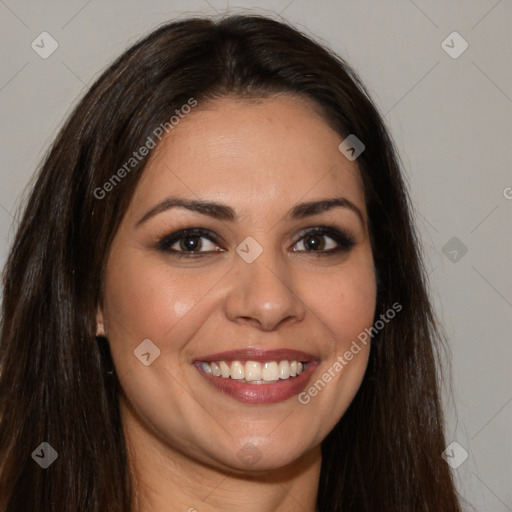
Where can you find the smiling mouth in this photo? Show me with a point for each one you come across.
(255, 376)
(254, 372)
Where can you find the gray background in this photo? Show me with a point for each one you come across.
(451, 119)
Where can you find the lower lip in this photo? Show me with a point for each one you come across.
(261, 393)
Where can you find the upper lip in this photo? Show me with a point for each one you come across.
(257, 354)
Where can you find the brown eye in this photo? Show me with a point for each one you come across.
(196, 242)
(325, 240)
(189, 241)
(314, 242)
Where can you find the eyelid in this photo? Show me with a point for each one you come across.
(342, 237)
(167, 241)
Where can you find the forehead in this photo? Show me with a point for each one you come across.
(273, 151)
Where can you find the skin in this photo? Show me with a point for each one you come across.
(184, 437)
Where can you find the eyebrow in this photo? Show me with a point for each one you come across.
(226, 213)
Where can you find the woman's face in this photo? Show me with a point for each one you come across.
(251, 295)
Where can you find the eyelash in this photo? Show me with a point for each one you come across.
(344, 240)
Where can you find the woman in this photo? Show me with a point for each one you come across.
(215, 299)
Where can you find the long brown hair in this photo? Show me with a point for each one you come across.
(385, 452)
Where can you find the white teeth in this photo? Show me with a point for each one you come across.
(255, 372)
(215, 369)
(270, 371)
(237, 370)
(252, 370)
(284, 370)
(224, 369)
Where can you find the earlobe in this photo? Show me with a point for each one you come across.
(100, 326)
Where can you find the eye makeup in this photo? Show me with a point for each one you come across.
(342, 239)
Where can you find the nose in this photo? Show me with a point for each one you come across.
(262, 293)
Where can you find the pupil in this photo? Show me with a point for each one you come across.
(312, 242)
(190, 243)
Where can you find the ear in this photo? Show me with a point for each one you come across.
(100, 325)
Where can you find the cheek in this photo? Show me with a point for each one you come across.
(347, 304)
(146, 300)
(345, 309)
